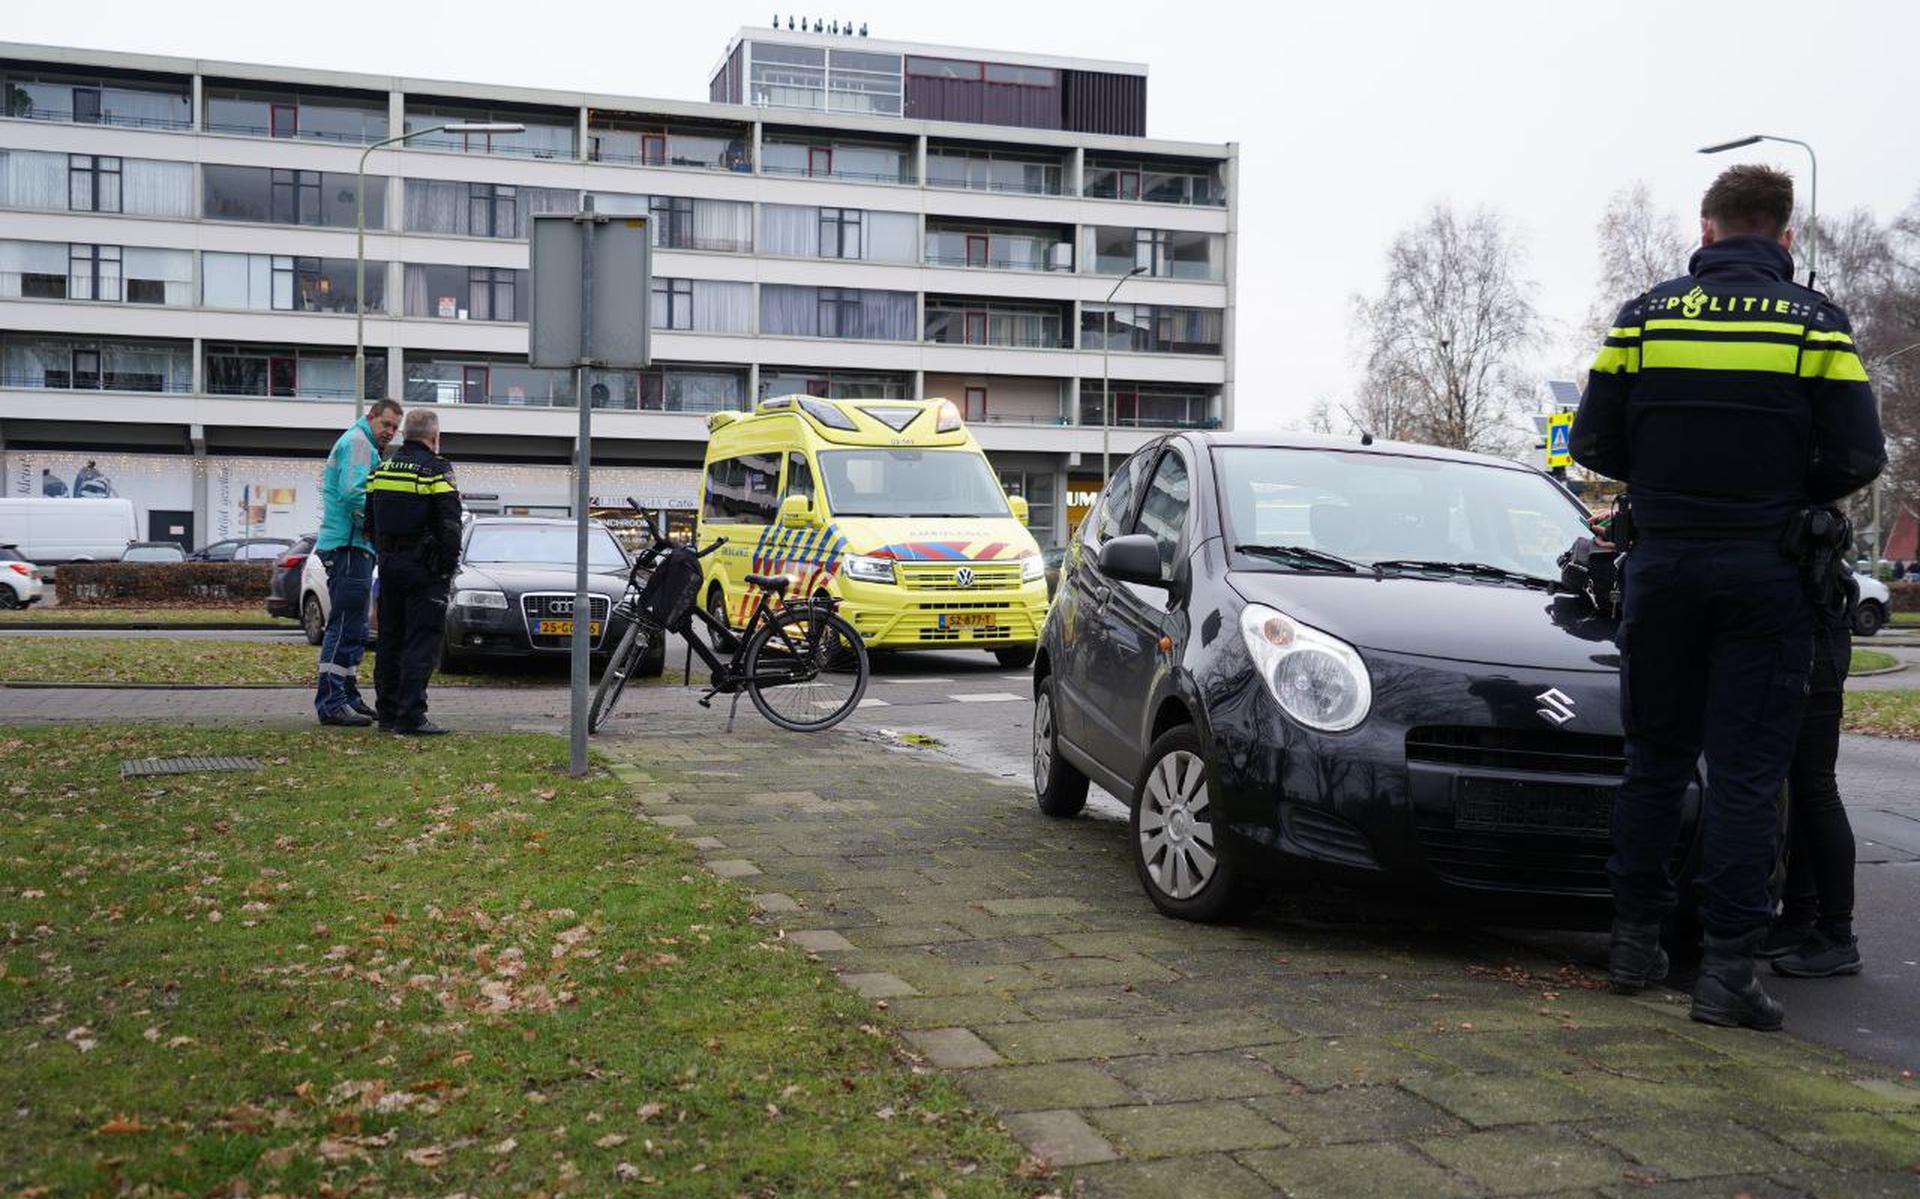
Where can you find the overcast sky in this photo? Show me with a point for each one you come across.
(1352, 118)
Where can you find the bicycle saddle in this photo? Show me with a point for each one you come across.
(777, 584)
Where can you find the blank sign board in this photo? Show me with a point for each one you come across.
(622, 271)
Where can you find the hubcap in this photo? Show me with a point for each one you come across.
(1042, 741)
(1176, 826)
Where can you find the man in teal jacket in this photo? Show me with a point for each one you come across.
(347, 553)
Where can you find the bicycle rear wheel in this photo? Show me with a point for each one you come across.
(621, 666)
(806, 668)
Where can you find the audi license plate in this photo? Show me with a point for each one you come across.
(564, 628)
(966, 620)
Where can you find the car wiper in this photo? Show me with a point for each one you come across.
(1302, 556)
(1472, 570)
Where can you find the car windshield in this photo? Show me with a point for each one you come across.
(542, 545)
(9, 554)
(1373, 507)
(153, 553)
(911, 483)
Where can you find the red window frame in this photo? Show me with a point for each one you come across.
(984, 244)
(653, 149)
(976, 403)
(971, 316)
(815, 154)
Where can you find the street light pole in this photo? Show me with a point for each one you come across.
(360, 242)
(1879, 534)
(1813, 190)
(1106, 379)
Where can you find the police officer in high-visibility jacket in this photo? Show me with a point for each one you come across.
(413, 514)
(1730, 401)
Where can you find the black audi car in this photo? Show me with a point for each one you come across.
(513, 595)
(1299, 656)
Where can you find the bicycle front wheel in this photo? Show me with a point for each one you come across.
(624, 661)
(806, 668)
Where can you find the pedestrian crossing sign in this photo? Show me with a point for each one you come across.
(1559, 432)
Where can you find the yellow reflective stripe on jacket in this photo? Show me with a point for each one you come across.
(408, 483)
(1770, 357)
(1613, 360)
(1829, 335)
(1839, 364)
(1629, 331)
(1676, 322)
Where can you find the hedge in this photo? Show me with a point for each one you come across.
(127, 584)
(1906, 596)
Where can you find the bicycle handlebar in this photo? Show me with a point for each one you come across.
(660, 544)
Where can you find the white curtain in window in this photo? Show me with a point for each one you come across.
(171, 366)
(434, 206)
(891, 236)
(174, 268)
(621, 203)
(416, 287)
(789, 230)
(545, 199)
(325, 377)
(281, 278)
(886, 315)
(150, 188)
(31, 258)
(26, 363)
(718, 223)
(223, 280)
(33, 179)
(722, 307)
(789, 311)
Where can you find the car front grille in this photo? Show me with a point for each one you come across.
(537, 606)
(945, 576)
(1546, 751)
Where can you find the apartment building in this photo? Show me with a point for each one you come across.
(844, 216)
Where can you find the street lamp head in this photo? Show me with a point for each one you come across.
(485, 127)
(1749, 140)
(1138, 270)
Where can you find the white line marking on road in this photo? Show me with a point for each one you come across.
(870, 702)
(987, 697)
(1018, 678)
(915, 679)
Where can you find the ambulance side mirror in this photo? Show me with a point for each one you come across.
(796, 512)
(1019, 505)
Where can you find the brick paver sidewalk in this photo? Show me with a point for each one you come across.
(1287, 1055)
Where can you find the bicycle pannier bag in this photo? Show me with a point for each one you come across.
(673, 589)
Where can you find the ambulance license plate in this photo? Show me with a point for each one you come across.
(966, 620)
(564, 628)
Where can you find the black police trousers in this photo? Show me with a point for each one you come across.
(413, 621)
(1716, 643)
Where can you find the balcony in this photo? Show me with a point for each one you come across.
(290, 372)
(636, 141)
(999, 247)
(969, 169)
(548, 133)
(93, 99)
(858, 162)
(1151, 329)
(966, 321)
(243, 109)
(1151, 405)
(1200, 184)
(93, 364)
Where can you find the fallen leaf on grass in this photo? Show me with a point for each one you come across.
(430, 1157)
(627, 1172)
(612, 1140)
(81, 1038)
(648, 1111)
(502, 1148)
(123, 1125)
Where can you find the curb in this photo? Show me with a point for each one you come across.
(145, 626)
(307, 688)
(1896, 668)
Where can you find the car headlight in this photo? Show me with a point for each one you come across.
(1032, 567)
(480, 599)
(1317, 679)
(866, 569)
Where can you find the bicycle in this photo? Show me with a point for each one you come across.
(802, 664)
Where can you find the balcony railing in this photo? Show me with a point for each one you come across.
(669, 160)
(124, 120)
(298, 393)
(726, 245)
(1091, 417)
(68, 381)
(1005, 342)
(459, 146)
(311, 135)
(901, 177)
(996, 185)
(997, 264)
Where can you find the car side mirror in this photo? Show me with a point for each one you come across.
(1019, 505)
(1134, 558)
(796, 512)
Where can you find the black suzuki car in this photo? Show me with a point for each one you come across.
(513, 595)
(1298, 655)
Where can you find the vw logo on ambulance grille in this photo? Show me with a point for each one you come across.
(963, 577)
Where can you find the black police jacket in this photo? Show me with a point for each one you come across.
(413, 509)
(1729, 398)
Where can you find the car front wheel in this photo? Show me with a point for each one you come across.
(1060, 789)
(1176, 847)
(312, 621)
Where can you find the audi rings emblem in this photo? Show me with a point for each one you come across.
(560, 607)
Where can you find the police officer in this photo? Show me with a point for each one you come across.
(1728, 400)
(413, 514)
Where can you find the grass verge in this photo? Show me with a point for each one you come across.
(1872, 659)
(1906, 618)
(403, 968)
(105, 659)
(1884, 714)
(38, 615)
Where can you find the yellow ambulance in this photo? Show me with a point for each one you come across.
(889, 505)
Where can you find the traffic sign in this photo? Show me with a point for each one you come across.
(1559, 437)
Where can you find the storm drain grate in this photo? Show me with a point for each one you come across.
(135, 768)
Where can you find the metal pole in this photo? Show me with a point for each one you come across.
(1106, 379)
(360, 269)
(582, 602)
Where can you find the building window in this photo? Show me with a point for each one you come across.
(673, 304)
(93, 183)
(93, 272)
(492, 210)
(840, 232)
(672, 222)
(491, 294)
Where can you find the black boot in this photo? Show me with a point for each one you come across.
(1635, 961)
(1726, 992)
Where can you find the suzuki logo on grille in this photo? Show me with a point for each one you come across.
(963, 577)
(1556, 706)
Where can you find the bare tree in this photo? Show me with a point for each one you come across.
(1445, 336)
(1640, 245)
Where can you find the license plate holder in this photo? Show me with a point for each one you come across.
(967, 620)
(563, 628)
(1549, 807)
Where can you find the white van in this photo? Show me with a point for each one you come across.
(68, 530)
